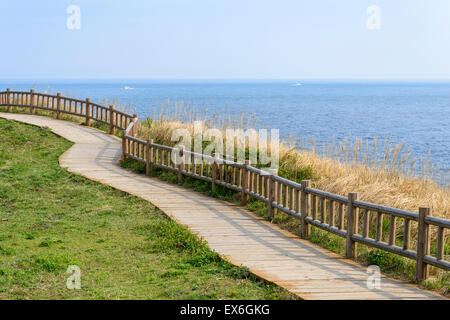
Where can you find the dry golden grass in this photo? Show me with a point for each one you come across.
(377, 185)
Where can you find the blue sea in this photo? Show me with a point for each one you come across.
(414, 113)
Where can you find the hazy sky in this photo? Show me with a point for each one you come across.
(235, 39)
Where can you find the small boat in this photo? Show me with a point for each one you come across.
(127, 88)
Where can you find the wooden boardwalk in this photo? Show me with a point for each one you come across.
(235, 233)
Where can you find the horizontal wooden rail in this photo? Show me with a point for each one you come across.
(346, 217)
(60, 104)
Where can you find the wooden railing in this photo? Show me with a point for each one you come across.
(83, 108)
(346, 217)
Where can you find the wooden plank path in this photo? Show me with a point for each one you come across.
(235, 233)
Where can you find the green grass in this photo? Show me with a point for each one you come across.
(125, 247)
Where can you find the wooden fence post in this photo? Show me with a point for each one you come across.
(271, 193)
(214, 171)
(31, 101)
(270, 198)
(423, 245)
(244, 182)
(8, 100)
(58, 106)
(305, 206)
(352, 225)
(124, 146)
(149, 151)
(88, 112)
(275, 196)
(274, 186)
(112, 128)
(181, 165)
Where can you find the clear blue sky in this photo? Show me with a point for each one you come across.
(249, 39)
